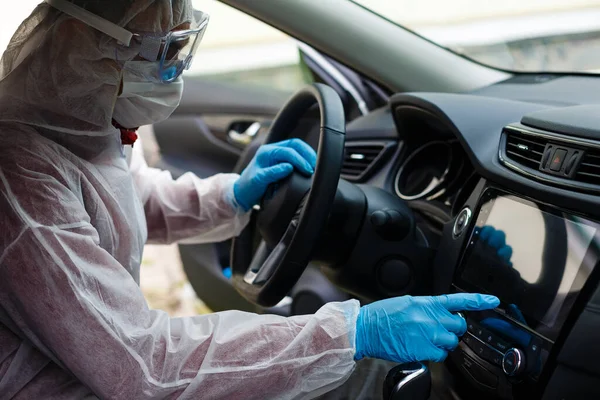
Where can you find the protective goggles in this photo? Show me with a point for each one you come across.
(171, 52)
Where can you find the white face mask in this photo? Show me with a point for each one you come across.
(146, 103)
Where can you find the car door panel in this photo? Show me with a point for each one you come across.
(196, 138)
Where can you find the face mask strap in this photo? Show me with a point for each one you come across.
(122, 35)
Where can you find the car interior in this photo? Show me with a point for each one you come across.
(425, 159)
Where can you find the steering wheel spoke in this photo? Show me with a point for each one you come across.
(260, 256)
(276, 257)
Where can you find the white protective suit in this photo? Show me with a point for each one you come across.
(75, 218)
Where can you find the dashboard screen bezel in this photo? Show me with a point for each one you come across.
(487, 196)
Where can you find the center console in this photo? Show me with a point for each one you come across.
(540, 261)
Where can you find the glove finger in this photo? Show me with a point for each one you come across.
(445, 340)
(454, 323)
(514, 312)
(307, 152)
(437, 355)
(275, 173)
(467, 301)
(486, 232)
(291, 156)
(505, 252)
(497, 239)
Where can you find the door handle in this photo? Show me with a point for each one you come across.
(244, 138)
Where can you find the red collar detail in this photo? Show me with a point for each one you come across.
(128, 135)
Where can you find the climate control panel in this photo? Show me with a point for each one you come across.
(494, 356)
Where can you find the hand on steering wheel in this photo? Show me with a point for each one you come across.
(272, 251)
(272, 163)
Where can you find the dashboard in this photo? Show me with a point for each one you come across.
(505, 186)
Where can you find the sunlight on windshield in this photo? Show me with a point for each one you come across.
(521, 35)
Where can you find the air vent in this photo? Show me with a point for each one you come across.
(589, 168)
(525, 150)
(360, 159)
(571, 162)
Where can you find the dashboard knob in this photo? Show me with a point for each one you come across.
(462, 222)
(513, 362)
(390, 224)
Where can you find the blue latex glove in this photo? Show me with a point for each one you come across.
(497, 239)
(507, 329)
(407, 329)
(227, 272)
(272, 163)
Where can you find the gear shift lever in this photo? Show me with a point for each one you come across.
(407, 381)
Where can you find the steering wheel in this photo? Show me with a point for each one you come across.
(295, 211)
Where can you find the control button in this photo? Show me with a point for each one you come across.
(500, 345)
(557, 159)
(479, 374)
(390, 224)
(478, 348)
(470, 326)
(534, 348)
(480, 333)
(462, 222)
(496, 358)
(513, 362)
(379, 218)
(487, 353)
(468, 340)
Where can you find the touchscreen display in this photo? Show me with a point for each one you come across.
(535, 259)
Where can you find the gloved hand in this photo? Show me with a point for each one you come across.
(272, 163)
(407, 329)
(496, 239)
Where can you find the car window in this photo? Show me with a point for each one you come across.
(238, 48)
(528, 36)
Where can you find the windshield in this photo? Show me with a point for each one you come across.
(517, 35)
